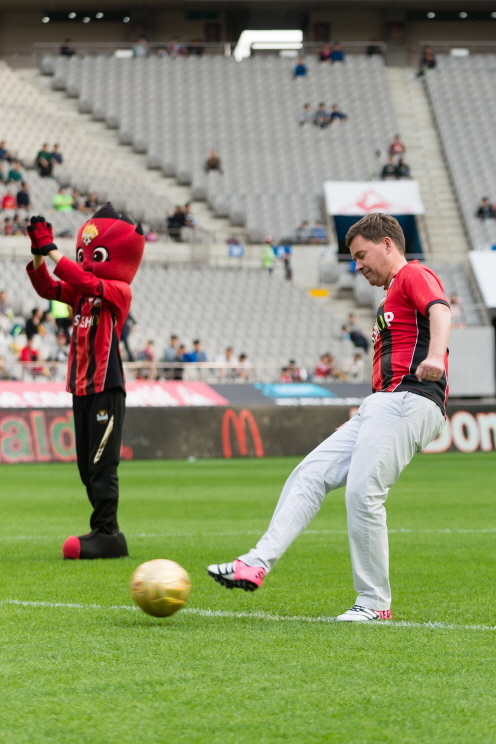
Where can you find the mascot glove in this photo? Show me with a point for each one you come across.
(41, 235)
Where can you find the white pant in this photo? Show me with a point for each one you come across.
(367, 454)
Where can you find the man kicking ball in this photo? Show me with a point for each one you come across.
(367, 454)
(109, 249)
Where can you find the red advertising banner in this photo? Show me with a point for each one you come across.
(37, 436)
(47, 434)
(140, 394)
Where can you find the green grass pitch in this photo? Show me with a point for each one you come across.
(98, 672)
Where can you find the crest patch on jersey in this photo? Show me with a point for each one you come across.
(89, 232)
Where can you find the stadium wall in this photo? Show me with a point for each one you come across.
(47, 435)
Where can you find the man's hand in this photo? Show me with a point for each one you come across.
(431, 369)
(41, 235)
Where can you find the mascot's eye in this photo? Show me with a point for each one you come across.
(80, 255)
(100, 255)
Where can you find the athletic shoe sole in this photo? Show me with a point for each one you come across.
(245, 584)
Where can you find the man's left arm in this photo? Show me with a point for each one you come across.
(432, 368)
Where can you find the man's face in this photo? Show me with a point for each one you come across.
(373, 260)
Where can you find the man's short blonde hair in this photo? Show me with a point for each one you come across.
(375, 227)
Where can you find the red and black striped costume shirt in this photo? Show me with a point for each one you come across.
(401, 334)
(100, 307)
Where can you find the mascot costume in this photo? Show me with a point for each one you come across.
(109, 250)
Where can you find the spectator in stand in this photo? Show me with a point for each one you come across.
(197, 355)
(195, 48)
(427, 61)
(66, 49)
(18, 225)
(300, 69)
(15, 174)
(397, 148)
(337, 54)
(151, 235)
(6, 312)
(189, 218)
(244, 367)
(63, 201)
(175, 48)
(306, 116)
(60, 353)
(402, 169)
(356, 335)
(29, 355)
(77, 201)
(170, 352)
(325, 53)
(149, 369)
(336, 115)
(128, 326)
(373, 49)
(91, 203)
(4, 370)
(389, 170)
(284, 253)
(8, 226)
(9, 202)
(63, 317)
(33, 322)
(268, 257)
(4, 153)
(229, 369)
(327, 369)
(175, 222)
(49, 324)
(23, 199)
(213, 163)
(178, 372)
(321, 116)
(141, 48)
(297, 374)
(456, 311)
(356, 369)
(5, 308)
(486, 210)
(318, 233)
(285, 376)
(302, 233)
(43, 162)
(57, 157)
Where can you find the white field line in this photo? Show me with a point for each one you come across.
(247, 615)
(399, 531)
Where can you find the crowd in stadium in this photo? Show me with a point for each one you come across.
(31, 347)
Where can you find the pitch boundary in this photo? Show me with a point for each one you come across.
(397, 531)
(257, 615)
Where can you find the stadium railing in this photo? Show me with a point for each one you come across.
(223, 48)
(210, 372)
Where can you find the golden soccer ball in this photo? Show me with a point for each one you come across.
(160, 588)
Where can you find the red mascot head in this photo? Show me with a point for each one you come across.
(110, 245)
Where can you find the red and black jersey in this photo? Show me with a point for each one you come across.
(401, 334)
(100, 307)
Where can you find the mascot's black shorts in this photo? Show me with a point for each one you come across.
(98, 422)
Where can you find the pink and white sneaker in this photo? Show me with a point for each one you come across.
(237, 575)
(358, 614)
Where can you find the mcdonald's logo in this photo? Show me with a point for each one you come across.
(240, 424)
